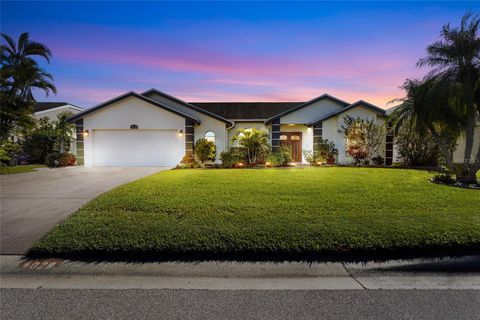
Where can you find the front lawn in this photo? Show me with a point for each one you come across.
(329, 213)
(19, 169)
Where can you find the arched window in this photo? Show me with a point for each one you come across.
(210, 136)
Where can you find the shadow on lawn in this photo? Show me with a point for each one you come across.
(352, 256)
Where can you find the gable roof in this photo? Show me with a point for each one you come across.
(305, 104)
(246, 110)
(186, 104)
(43, 106)
(128, 95)
(349, 107)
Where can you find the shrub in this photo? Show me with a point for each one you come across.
(364, 138)
(281, 157)
(445, 177)
(287, 154)
(275, 159)
(205, 150)
(57, 159)
(67, 159)
(378, 160)
(233, 156)
(416, 149)
(41, 141)
(325, 152)
(52, 160)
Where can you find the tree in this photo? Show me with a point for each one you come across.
(19, 75)
(254, 141)
(364, 138)
(41, 141)
(205, 150)
(446, 103)
(415, 149)
(64, 130)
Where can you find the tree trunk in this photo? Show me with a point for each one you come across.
(443, 148)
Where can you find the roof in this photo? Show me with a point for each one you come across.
(246, 110)
(349, 107)
(186, 104)
(42, 106)
(305, 104)
(128, 95)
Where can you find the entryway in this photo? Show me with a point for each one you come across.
(293, 140)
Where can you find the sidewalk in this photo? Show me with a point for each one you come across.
(459, 273)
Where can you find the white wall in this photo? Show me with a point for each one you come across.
(207, 123)
(125, 113)
(311, 112)
(459, 152)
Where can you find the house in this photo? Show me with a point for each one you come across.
(157, 129)
(51, 110)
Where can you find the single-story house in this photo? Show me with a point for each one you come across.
(156, 129)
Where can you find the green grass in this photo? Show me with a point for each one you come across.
(273, 214)
(19, 169)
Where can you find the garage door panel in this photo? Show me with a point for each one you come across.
(137, 148)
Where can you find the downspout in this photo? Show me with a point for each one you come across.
(227, 142)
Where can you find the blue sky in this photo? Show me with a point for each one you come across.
(232, 51)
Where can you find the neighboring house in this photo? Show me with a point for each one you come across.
(156, 129)
(51, 110)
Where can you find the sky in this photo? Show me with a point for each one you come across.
(232, 51)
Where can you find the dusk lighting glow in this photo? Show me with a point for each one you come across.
(232, 51)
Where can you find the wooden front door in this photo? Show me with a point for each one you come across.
(294, 141)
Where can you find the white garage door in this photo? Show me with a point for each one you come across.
(137, 147)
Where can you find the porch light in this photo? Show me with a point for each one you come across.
(180, 133)
(86, 133)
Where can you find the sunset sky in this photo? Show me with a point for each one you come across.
(231, 51)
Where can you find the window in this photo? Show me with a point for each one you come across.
(283, 137)
(210, 136)
(295, 138)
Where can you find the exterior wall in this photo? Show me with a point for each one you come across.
(207, 123)
(307, 136)
(53, 113)
(125, 113)
(458, 154)
(332, 130)
(311, 112)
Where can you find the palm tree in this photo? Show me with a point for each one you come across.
(19, 75)
(446, 103)
(64, 129)
(253, 140)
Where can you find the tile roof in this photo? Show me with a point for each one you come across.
(42, 106)
(246, 110)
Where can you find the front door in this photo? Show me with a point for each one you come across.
(293, 140)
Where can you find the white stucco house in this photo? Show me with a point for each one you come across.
(156, 129)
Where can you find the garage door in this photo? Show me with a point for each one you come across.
(137, 147)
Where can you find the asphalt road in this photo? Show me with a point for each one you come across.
(239, 304)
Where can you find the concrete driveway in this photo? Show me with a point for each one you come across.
(32, 203)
